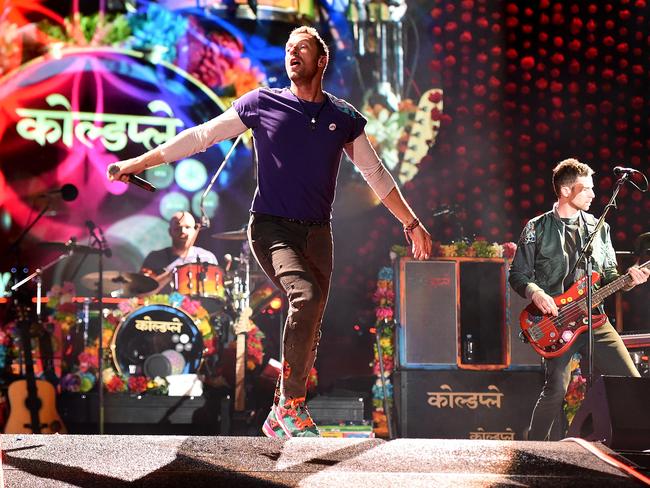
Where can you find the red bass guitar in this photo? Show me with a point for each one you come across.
(551, 336)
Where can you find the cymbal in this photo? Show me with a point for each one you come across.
(232, 235)
(65, 247)
(130, 284)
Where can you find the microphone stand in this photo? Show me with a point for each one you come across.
(586, 255)
(15, 246)
(100, 304)
(38, 274)
(205, 220)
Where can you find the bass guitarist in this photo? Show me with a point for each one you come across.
(548, 249)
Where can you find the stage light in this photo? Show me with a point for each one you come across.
(161, 176)
(191, 174)
(5, 220)
(173, 202)
(210, 204)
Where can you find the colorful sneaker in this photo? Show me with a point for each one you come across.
(272, 427)
(295, 420)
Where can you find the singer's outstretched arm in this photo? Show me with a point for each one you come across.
(186, 143)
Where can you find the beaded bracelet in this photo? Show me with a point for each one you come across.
(409, 228)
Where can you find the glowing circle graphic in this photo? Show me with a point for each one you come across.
(191, 174)
(173, 202)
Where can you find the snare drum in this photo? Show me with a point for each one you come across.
(157, 338)
(199, 279)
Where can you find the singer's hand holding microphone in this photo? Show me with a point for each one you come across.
(116, 172)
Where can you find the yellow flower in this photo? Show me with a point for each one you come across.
(204, 327)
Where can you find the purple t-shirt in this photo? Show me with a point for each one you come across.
(297, 165)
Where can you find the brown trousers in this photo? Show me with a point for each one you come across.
(297, 257)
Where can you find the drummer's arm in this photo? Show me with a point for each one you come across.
(163, 278)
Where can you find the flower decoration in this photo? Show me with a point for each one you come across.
(157, 30)
(114, 383)
(88, 30)
(82, 374)
(8, 351)
(60, 300)
(11, 47)
(479, 248)
(386, 128)
(254, 347)
(137, 384)
(384, 298)
(509, 249)
(402, 137)
(576, 391)
(217, 59)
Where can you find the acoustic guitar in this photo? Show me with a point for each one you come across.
(551, 336)
(242, 326)
(32, 402)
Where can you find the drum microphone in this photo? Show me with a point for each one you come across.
(68, 192)
(134, 179)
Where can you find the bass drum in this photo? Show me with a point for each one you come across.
(157, 340)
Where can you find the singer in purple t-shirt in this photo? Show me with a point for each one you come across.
(300, 134)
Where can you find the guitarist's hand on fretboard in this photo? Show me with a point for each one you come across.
(639, 276)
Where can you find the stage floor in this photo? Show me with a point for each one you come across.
(189, 461)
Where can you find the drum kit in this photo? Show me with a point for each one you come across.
(223, 292)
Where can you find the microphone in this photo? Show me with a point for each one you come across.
(620, 170)
(134, 179)
(68, 192)
(102, 240)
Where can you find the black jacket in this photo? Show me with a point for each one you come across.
(540, 260)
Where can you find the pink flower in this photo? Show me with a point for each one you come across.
(509, 249)
(190, 306)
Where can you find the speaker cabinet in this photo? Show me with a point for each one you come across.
(428, 313)
(444, 304)
(522, 355)
(462, 404)
(615, 412)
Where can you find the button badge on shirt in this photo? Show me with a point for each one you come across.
(332, 126)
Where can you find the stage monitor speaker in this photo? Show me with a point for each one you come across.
(427, 313)
(615, 412)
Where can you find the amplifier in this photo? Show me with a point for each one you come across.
(452, 313)
(462, 404)
(331, 410)
(638, 344)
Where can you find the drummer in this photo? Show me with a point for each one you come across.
(161, 264)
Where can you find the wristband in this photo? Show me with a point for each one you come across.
(409, 228)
